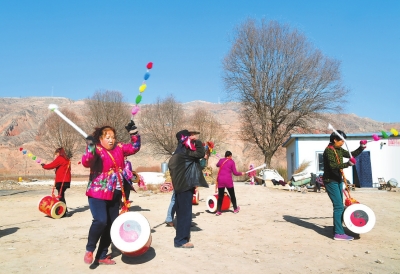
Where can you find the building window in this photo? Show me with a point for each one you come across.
(320, 162)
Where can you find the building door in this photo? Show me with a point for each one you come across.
(362, 172)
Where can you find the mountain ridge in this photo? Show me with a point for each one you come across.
(20, 119)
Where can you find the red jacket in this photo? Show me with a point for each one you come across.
(63, 169)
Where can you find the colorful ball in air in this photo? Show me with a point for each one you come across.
(135, 110)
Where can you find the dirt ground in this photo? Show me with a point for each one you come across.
(276, 231)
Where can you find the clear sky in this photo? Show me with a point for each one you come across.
(74, 48)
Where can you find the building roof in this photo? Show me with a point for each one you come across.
(326, 136)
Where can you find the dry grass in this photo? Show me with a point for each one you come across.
(303, 166)
(283, 172)
(153, 188)
(148, 169)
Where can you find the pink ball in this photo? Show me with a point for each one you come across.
(375, 137)
(135, 110)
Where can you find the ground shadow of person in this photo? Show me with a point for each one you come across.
(149, 255)
(326, 231)
(144, 258)
(8, 231)
(137, 208)
(11, 192)
(72, 211)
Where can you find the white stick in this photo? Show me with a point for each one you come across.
(259, 167)
(341, 137)
(54, 107)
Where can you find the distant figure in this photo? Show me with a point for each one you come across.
(319, 182)
(62, 164)
(252, 174)
(171, 211)
(227, 167)
(127, 172)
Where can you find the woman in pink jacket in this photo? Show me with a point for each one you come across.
(105, 158)
(227, 167)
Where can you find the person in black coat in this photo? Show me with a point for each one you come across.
(186, 174)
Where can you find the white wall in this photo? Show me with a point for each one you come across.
(384, 160)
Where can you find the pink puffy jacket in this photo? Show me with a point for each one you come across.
(104, 173)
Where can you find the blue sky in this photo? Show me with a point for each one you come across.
(74, 48)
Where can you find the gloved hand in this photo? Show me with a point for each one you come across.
(363, 144)
(352, 161)
(42, 164)
(131, 128)
(90, 141)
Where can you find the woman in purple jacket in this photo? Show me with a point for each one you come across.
(227, 167)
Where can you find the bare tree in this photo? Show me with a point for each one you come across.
(209, 127)
(55, 132)
(281, 81)
(205, 122)
(106, 108)
(159, 124)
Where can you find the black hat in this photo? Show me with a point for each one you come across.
(181, 133)
(185, 133)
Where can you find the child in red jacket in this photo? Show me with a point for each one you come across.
(62, 165)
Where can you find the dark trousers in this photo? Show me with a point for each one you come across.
(127, 189)
(104, 213)
(61, 193)
(221, 192)
(183, 203)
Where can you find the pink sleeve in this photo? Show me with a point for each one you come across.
(133, 147)
(234, 171)
(89, 158)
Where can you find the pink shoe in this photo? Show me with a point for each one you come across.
(107, 261)
(88, 259)
(236, 210)
(218, 213)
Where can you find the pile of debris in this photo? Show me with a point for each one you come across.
(9, 184)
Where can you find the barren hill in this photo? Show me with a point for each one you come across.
(20, 120)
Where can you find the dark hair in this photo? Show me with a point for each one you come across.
(101, 131)
(228, 153)
(336, 137)
(61, 152)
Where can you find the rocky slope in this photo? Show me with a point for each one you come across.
(20, 120)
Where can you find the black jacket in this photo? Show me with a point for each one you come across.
(184, 167)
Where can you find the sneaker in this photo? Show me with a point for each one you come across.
(107, 261)
(343, 237)
(236, 210)
(187, 245)
(218, 213)
(88, 259)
